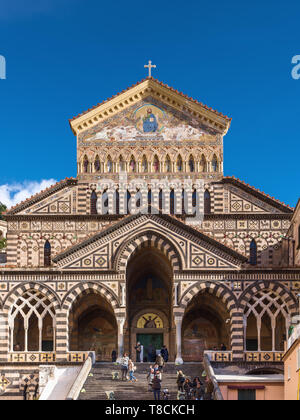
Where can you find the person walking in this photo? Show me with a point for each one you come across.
(150, 378)
(124, 366)
(180, 380)
(156, 386)
(160, 362)
(187, 386)
(131, 369)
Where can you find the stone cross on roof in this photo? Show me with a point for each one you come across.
(150, 67)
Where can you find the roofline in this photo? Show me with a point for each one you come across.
(161, 84)
(113, 226)
(271, 200)
(40, 196)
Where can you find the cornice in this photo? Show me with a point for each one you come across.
(150, 87)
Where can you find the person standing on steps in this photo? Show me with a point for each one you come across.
(156, 386)
(114, 356)
(165, 354)
(131, 369)
(124, 366)
(138, 349)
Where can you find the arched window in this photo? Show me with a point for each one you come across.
(109, 165)
(94, 200)
(160, 200)
(168, 164)
(203, 164)
(207, 202)
(191, 164)
(47, 254)
(149, 198)
(253, 252)
(117, 202)
(138, 200)
(172, 202)
(214, 164)
(183, 202)
(144, 164)
(194, 201)
(156, 164)
(32, 323)
(85, 165)
(132, 165)
(97, 164)
(121, 164)
(179, 164)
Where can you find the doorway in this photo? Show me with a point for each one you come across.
(151, 343)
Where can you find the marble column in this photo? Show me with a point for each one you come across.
(120, 322)
(178, 324)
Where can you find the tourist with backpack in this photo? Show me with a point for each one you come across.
(156, 386)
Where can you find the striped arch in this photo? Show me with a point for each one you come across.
(83, 289)
(20, 290)
(278, 289)
(217, 289)
(143, 240)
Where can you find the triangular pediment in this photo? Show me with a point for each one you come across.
(150, 92)
(55, 200)
(242, 198)
(194, 250)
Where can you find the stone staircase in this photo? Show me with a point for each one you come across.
(100, 381)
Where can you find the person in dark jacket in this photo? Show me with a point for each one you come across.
(156, 386)
(165, 354)
(114, 356)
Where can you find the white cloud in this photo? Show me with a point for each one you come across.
(12, 194)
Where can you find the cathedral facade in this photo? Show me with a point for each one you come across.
(150, 243)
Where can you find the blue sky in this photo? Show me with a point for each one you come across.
(64, 56)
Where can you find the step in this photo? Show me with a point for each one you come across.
(101, 381)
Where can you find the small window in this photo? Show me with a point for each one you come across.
(253, 253)
(172, 202)
(47, 254)
(247, 395)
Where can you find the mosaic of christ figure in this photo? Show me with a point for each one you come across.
(150, 124)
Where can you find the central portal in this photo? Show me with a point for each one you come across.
(149, 297)
(151, 343)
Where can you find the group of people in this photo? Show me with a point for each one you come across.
(127, 368)
(198, 389)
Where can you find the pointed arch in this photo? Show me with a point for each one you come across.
(122, 165)
(217, 289)
(179, 164)
(191, 163)
(156, 164)
(144, 164)
(109, 164)
(85, 288)
(172, 201)
(203, 164)
(147, 239)
(97, 164)
(168, 164)
(132, 164)
(215, 164)
(85, 164)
